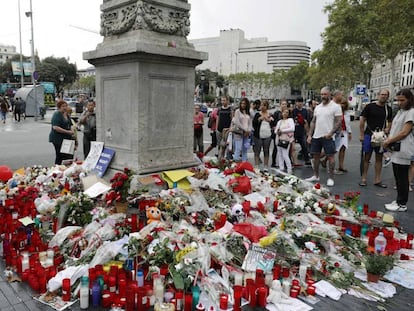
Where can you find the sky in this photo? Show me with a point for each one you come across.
(66, 28)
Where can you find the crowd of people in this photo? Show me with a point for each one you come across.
(323, 132)
(16, 106)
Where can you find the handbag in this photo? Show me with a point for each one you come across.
(283, 143)
(237, 130)
(68, 146)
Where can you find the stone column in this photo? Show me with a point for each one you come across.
(145, 71)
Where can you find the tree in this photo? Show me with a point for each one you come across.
(52, 69)
(361, 32)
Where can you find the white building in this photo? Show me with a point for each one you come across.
(7, 52)
(90, 71)
(232, 53)
(407, 72)
(381, 76)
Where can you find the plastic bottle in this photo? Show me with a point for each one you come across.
(84, 293)
(380, 243)
(140, 278)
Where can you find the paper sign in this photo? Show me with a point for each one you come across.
(26, 221)
(179, 177)
(94, 186)
(93, 156)
(104, 161)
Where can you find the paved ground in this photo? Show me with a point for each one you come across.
(18, 296)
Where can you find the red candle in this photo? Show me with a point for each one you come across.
(285, 272)
(224, 300)
(261, 296)
(276, 271)
(260, 278)
(252, 295)
(134, 222)
(188, 302)
(410, 236)
(122, 287)
(403, 243)
(238, 292)
(106, 299)
(294, 293)
(311, 290)
(295, 282)
(66, 289)
(365, 209)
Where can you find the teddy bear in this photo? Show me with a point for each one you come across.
(153, 214)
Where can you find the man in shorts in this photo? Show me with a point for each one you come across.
(325, 123)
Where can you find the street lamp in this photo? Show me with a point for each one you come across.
(30, 14)
(21, 55)
(61, 79)
(202, 77)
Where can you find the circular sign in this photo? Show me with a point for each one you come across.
(36, 75)
(350, 98)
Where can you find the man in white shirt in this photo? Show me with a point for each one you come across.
(326, 122)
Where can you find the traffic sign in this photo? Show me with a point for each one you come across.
(361, 89)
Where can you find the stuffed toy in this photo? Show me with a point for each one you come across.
(153, 214)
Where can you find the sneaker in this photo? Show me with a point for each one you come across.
(395, 207)
(313, 178)
(338, 172)
(330, 182)
(387, 162)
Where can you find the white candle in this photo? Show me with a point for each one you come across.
(238, 278)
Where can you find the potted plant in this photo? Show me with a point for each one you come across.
(377, 265)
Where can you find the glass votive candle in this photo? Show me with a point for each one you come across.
(285, 272)
(311, 290)
(224, 301)
(294, 293)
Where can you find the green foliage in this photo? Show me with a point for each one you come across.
(378, 264)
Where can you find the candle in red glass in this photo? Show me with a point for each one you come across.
(188, 301)
(311, 290)
(403, 243)
(112, 283)
(122, 287)
(252, 295)
(285, 272)
(276, 271)
(130, 296)
(66, 289)
(295, 282)
(134, 222)
(237, 293)
(142, 298)
(410, 236)
(275, 205)
(261, 296)
(373, 214)
(365, 209)
(260, 278)
(106, 299)
(179, 296)
(294, 293)
(224, 301)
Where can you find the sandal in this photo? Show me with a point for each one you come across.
(380, 184)
(343, 170)
(363, 183)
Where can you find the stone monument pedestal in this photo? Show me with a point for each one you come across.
(145, 85)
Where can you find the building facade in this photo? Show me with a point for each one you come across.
(232, 53)
(7, 52)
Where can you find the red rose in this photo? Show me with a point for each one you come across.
(317, 186)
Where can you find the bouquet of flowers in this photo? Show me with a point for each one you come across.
(74, 209)
(120, 184)
(351, 198)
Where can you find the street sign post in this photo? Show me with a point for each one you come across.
(361, 89)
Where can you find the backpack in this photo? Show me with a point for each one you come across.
(210, 121)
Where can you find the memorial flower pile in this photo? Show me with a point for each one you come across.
(281, 229)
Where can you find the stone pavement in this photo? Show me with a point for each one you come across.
(18, 296)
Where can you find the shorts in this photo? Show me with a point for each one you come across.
(328, 146)
(366, 145)
(213, 139)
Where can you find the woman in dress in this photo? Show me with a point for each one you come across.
(262, 125)
(401, 142)
(61, 129)
(285, 129)
(241, 130)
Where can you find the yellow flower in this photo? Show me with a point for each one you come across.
(181, 253)
(268, 240)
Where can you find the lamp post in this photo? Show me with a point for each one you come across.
(202, 77)
(61, 79)
(235, 71)
(30, 14)
(21, 55)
